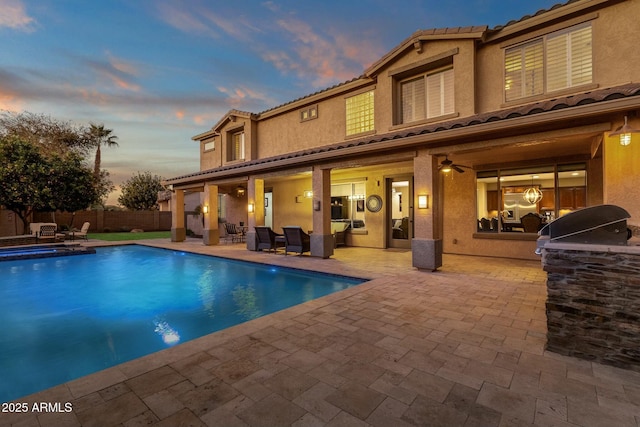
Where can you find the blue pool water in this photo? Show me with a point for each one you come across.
(66, 317)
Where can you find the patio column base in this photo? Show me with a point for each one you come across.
(211, 236)
(322, 245)
(426, 254)
(178, 234)
(252, 241)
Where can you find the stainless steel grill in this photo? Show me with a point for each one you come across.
(596, 225)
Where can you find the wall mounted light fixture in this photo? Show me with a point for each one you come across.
(624, 132)
(205, 209)
(240, 191)
(423, 201)
(298, 199)
(308, 194)
(251, 207)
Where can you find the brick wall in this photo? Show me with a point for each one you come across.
(593, 304)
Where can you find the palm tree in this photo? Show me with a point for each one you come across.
(99, 135)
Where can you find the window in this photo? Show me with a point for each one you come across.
(360, 113)
(209, 145)
(427, 96)
(347, 203)
(524, 71)
(556, 61)
(501, 205)
(236, 146)
(569, 59)
(309, 113)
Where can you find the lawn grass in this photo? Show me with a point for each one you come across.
(116, 237)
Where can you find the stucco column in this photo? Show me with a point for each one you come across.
(426, 246)
(322, 241)
(178, 232)
(211, 232)
(255, 198)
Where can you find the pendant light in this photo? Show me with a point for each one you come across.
(532, 194)
(625, 132)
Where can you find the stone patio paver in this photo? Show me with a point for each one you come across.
(463, 346)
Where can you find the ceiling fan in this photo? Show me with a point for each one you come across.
(447, 165)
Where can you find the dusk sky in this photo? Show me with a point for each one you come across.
(158, 72)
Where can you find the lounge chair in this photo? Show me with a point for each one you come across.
(83, 232)
(267, 239)
(296, 240)
(232, 232)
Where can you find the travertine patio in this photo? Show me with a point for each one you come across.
(460, 347)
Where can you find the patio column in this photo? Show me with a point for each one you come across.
(426, 246)
(255, 198)
(178, 232)
(322, 241)
(211, 232)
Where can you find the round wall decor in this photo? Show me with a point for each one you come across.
(374, 203)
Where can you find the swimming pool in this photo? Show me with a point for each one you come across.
(63, 318)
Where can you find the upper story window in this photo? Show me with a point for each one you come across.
(359, 113)
(236, 146)
(426, 96)
(559, 60)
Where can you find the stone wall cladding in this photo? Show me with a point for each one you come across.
(593, 306)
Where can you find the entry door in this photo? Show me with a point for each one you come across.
(400, 211)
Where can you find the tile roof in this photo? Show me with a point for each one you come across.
(570, 101)
(452, 31)
(538, 13)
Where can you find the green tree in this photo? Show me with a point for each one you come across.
(140, 192)
(22, 170)
(31, 181)
(73, 184)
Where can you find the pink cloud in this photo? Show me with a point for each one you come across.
(183, 19)
(325, 57)
(14, 15)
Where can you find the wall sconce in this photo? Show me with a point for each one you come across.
(308, 194)
(298, 199)
(240, 191)
(251, 207)
(625, 132)
(205, 209)
(423, 201)
(316, 205)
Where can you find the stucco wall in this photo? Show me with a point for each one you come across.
(622, 173)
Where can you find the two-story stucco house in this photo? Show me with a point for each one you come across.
(524, 111)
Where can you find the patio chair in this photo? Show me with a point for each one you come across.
(268, 239)
(296, 240)
(82, 233)
(232, 232)
(48, 232)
